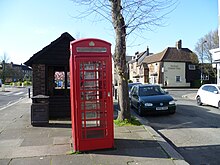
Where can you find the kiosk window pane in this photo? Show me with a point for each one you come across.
(93, 115)
(68, 80)
(90, 95)
(93, 123)
(90, 115)
(92, 105)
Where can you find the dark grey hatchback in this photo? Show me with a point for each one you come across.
(148, 99)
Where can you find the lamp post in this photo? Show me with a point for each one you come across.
(202, 63)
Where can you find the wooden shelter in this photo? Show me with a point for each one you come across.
(51, 75)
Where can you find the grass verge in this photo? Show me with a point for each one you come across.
(126, 122)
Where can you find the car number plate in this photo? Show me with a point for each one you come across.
(161, 108)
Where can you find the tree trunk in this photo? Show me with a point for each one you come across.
(120, 60)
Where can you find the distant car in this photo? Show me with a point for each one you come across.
(209, 94)
(150, 98)
(130, 85)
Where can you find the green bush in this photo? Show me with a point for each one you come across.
(26, 83)
(18, 83)
(196, 84)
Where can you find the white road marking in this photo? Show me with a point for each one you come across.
(7, 93)
(8, 105)
(18, 93)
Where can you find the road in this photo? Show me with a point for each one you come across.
(12, 95)
(194, 131)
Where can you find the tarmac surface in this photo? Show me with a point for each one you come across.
(21, 143)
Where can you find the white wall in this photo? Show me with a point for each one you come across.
(216, 52)
(218, 73)
(153, 69)
(171, 71)
(219, 21)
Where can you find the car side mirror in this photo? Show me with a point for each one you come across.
(166, 92)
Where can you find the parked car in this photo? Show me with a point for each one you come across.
(209, 94)
(151, 98)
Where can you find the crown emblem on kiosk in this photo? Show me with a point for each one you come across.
(91, 43)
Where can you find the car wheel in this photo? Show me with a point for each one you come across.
(198, 100)
(140, 112)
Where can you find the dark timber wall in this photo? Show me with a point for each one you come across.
(52, 58)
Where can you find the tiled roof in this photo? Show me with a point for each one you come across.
(140, 58)
(171, 54)
(155, 57)
(37, 55)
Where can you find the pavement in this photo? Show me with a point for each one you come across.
(21, 143)
(191, 96)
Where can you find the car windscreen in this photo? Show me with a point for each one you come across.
(150, 91)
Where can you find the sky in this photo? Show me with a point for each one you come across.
(27, 26)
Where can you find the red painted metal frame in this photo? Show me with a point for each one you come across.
(91, 94)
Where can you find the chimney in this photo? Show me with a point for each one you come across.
(136, 56)
(179, 44)
(147, 51)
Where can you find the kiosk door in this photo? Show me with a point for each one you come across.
(95, 124)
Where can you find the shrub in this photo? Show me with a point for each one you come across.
(26, 83)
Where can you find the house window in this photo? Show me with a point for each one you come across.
(192, 67)
(178, 79)
(205, 77)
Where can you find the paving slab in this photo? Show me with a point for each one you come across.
(34, 151)
(5, 161)
(11, 143)
(61, 140)
(31, 161)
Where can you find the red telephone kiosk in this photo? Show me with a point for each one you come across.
(91, 94)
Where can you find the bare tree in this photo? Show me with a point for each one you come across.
(204, 44)
(3, 72)
(5, 57)
(127, 17)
